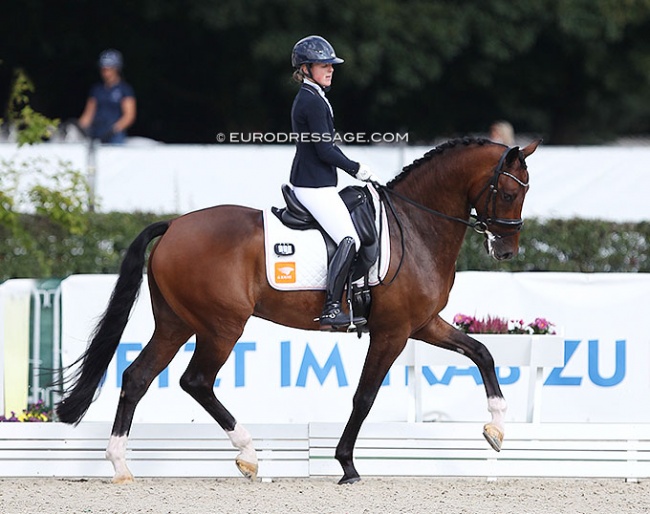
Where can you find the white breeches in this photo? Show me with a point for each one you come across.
(326, 206)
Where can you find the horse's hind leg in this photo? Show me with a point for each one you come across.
(198, 381)
(170, 334)
(444, 335)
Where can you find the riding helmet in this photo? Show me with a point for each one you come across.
(313, 49)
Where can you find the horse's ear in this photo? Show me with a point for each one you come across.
(512, 156)
(531, 148)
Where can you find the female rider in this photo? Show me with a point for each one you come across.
(313, 172)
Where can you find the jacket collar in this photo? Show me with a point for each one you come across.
(319, 90)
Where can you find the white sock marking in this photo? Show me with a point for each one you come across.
(116, 453)
(497, 407)
(242, 440)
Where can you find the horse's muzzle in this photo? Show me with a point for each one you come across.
(501, 249)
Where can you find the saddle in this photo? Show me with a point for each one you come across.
(362, 211)
(360, 204)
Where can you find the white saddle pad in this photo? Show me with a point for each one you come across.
(297, 259)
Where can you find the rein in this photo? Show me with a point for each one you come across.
(480, 223)
(470, 223)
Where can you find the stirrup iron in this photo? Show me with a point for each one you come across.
(351, 327)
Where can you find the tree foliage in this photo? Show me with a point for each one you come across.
(573, 71)
(55, 193)
(31, 126)
(40, 202)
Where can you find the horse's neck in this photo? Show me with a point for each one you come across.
(443, 189)
(440, 186)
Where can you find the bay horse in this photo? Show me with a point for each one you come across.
(206, 275)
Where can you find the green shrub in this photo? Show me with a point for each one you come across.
(46, 248)
(575, 245)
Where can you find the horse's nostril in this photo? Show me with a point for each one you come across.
(505, 256)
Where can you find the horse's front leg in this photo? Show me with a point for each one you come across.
(440, 333)
(382, 353)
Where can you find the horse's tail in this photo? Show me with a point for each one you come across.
(106, 336)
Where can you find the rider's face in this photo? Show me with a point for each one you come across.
(322, 74)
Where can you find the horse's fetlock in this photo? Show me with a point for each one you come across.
(240, 437)
(343, 456)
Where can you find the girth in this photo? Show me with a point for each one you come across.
(362, 211)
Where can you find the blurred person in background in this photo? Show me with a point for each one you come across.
(502, 132)
(110, 108)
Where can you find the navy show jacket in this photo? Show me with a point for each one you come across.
(317, 155)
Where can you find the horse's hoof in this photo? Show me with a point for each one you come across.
(123, 479)
(494, 436)
(247, 469)
(349, 480)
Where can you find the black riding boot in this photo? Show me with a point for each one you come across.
(332, 317)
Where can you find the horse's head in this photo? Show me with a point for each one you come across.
(499, 202)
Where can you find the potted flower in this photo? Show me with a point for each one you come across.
(499, 325)
(35, 412)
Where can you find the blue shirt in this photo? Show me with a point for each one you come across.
(317, 157)
(109, 110)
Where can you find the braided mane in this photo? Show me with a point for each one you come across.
(465, 141)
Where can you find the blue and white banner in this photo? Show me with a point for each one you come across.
(279, 375)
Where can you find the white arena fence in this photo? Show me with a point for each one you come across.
(595, 450)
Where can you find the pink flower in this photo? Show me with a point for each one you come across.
(496, 325)
(541, 326)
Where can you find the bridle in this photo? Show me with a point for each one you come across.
(481, 223)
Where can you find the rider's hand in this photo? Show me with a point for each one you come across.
(366, 175)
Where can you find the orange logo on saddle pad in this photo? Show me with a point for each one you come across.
(285, 272)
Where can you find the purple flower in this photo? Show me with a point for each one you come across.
(35, 412)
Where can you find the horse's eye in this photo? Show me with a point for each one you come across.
(507, 197)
